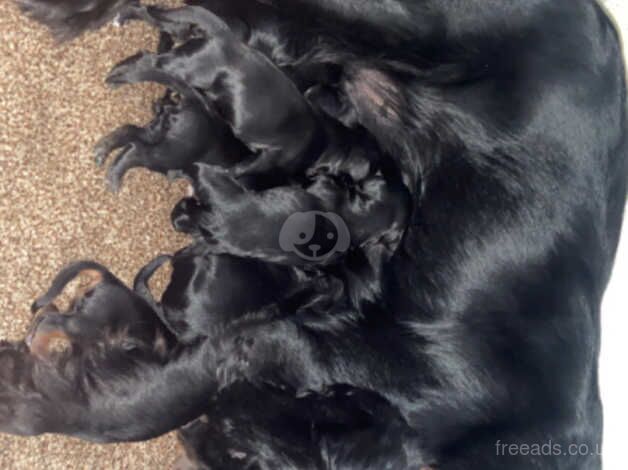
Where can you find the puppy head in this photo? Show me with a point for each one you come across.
(102, 311)
(184, 216)
(210, 185)
(315, 236)
(43, 391)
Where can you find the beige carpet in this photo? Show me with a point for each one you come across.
(53, 204)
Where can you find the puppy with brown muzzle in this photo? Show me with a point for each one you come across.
(123, 368)
(103, 308)
(110, 337)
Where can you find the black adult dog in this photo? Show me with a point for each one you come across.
(507, 119)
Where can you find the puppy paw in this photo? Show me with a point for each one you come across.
(130, 70)
(121, 137)
(129, 158)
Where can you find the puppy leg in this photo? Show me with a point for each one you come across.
(141, 288)
(119, 138)
(136, 152)
(133, 156)
(134, 69)
(94, 271)
(177, 22)
(148, 67)
(140, 283)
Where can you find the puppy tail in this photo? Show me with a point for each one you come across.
(64, 277)
(140, 284)
(67, 19)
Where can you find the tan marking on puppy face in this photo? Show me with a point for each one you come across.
(45, 344)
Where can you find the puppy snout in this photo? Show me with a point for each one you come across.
(182, 216)
(47, 334)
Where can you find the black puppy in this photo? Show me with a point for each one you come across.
(107, 331)
(182, 132)
(118, 345)
(206, 292)
(103, 308)
(213, 65)
(508, 121)
(349, 204)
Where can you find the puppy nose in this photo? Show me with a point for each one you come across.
(314, 247)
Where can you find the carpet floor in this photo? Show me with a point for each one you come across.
(54, 206)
